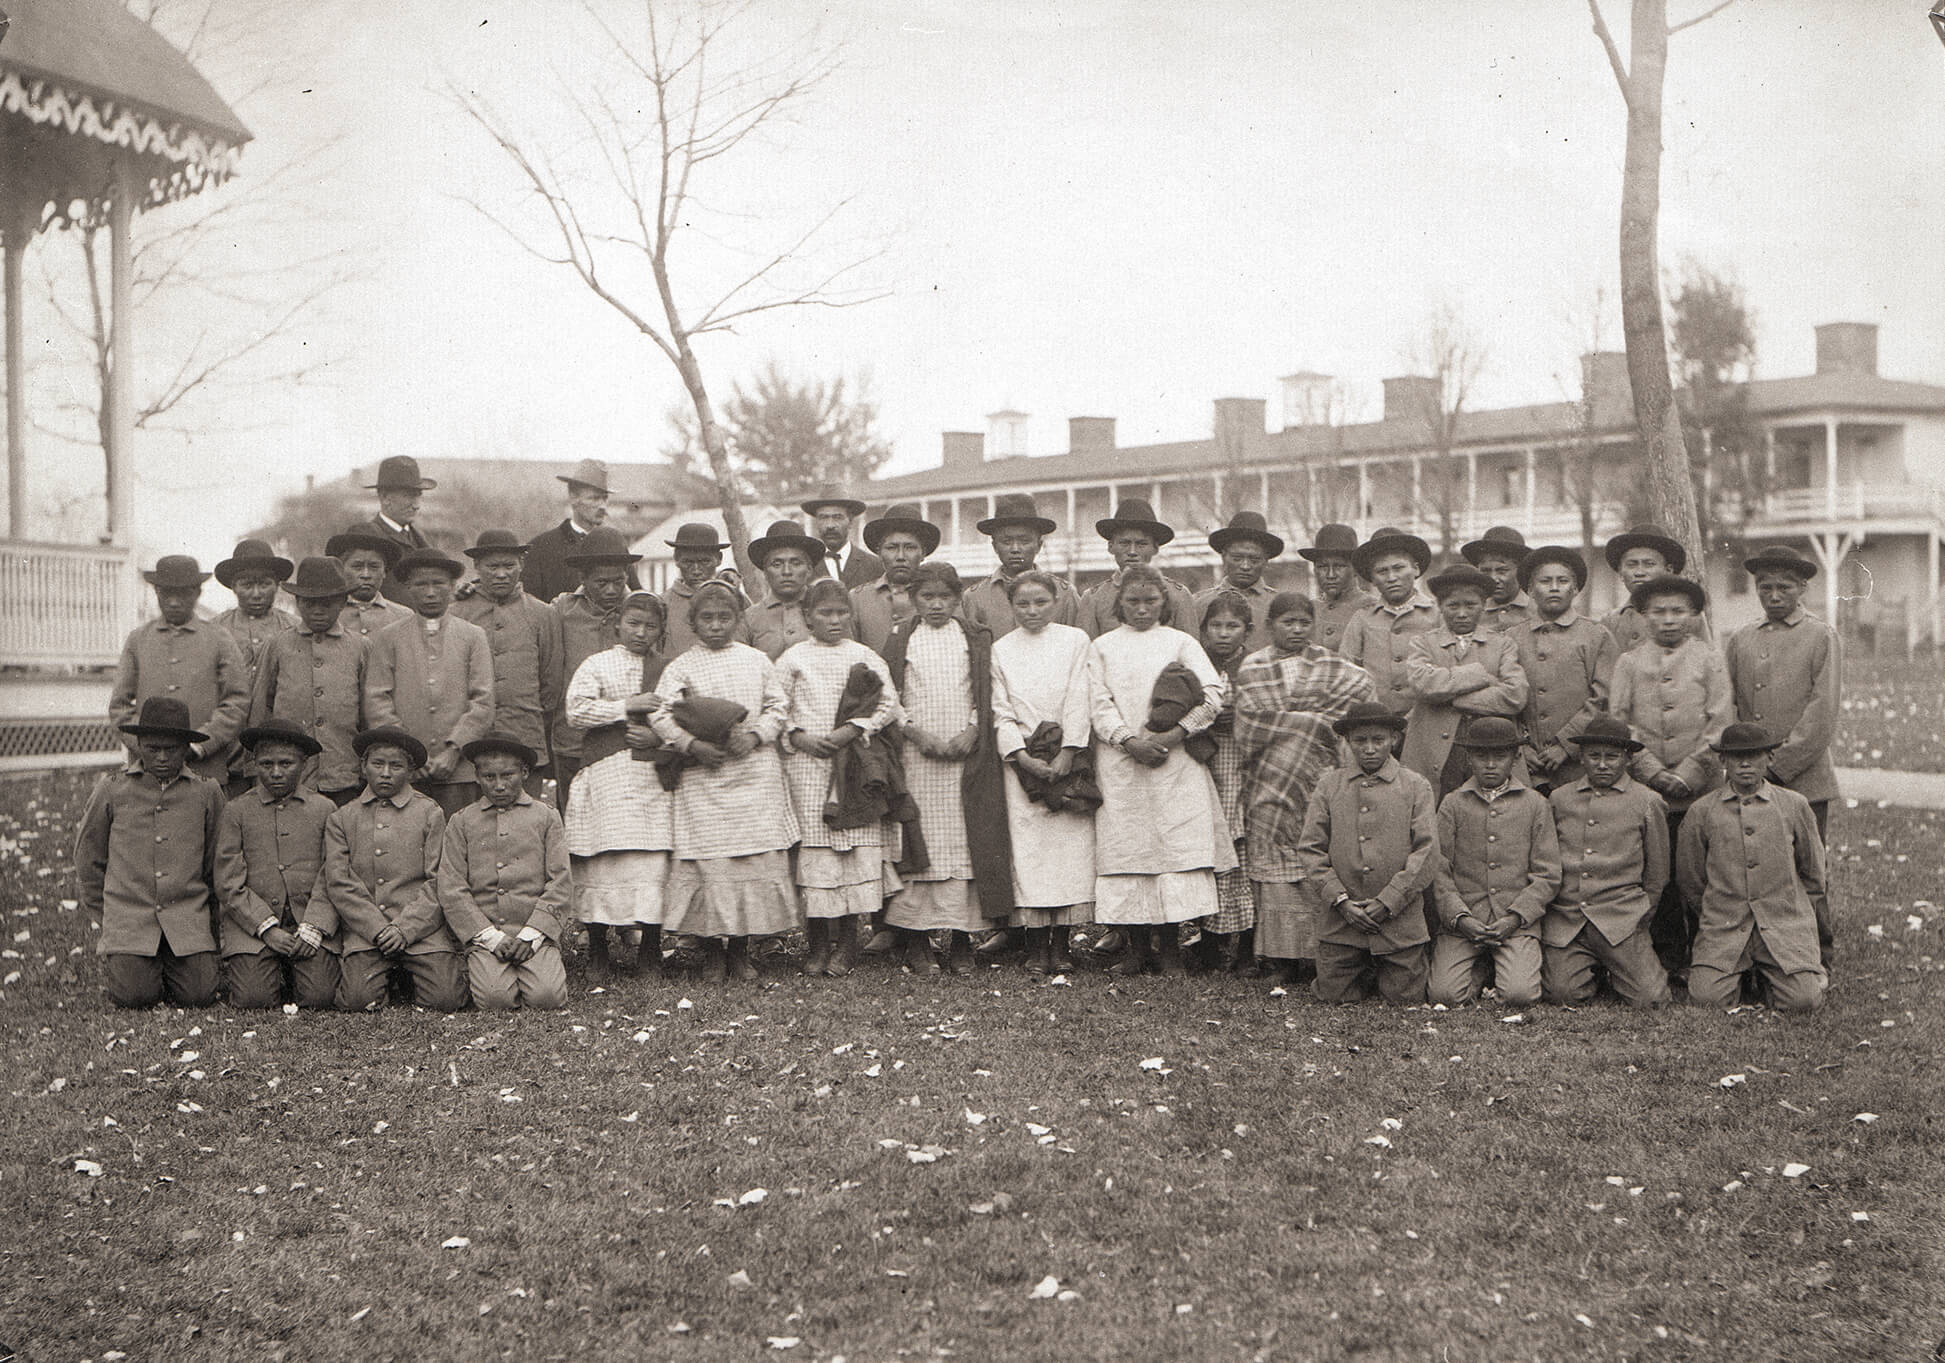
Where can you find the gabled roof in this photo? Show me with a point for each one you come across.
(1776, 397)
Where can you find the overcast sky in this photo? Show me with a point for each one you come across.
(1089, 207)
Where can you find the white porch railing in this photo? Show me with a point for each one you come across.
(63, 605)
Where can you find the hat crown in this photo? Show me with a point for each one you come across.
(398, 470)
(603, 540)
(253, 548)
(1607, 726)
(778, 528)
(318, 572)
(1335, 538)
(1134, 509)
(1491, 731)
(1015, 504)
(164, 712)
(696, 533)
(1248, 520)
(178, 563)
(498, 539)
(902, 511)
(588, 473)
(1745, 737)
(1503, 534)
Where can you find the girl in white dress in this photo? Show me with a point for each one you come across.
(1160, 836)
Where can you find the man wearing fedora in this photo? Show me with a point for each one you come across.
(145, 860)
(367, 558)
(253, 572)
(1338, 594)
(1378, 638)
(901, 539)
(1135, 536)
(179, 657)
(698, 559)
(1017, 530)
(590, 622)
(400, 489)
(525, 636)
(314, 677)
(1246, 547)
(832, 515)
(788, 559)
(548, 573)
(1498, 554)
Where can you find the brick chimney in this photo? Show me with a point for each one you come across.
(1411, 397)
(1604, 374)
(1008, 434)
(1090, 433)
(1239, 420)
(963, 449)
(1847, 348)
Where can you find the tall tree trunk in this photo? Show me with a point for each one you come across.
(728, 497)
(1671, 493)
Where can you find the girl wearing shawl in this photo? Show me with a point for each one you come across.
(618, 815)
(733, 824)
(1226, 623)
(1160, 836)
(842, 873)
(1287, 697)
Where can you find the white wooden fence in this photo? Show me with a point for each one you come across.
(63, 605)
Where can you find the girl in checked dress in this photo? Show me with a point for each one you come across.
(1230, 934)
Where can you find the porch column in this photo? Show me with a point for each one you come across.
(1417, 483)
(955, 519)
(1472, 493)
(15, 247)
(1073, 536)
(1832, 548)
(1364, 487)
(1532, 485)
(120, 394)
(1830, 466)
(1931, 588)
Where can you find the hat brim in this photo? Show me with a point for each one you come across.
(304, 743)
(229, 568)
(1746, 747)
(1801, 567)
(851, 508)
(1609, 740)
(1220, 540)
(679, 546)
(761, 549)
(1105, 529)
(1696, 593)
(1038, 524)
(365, 742)
(422, 558)
(1551, 553)
(1395, 723)
(1472, 549)
(164, 731)
(483, 747)
(340, 545)
(587, 560)
(480, 551)
(1473, 745)
(313, 594)
(1313, 554)
(1669, 549)
(423, 485)
(582, 482)
(1411, 546)
(155, 579)
(875, 532)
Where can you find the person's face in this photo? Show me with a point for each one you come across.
(386, 769)
(1780, 592)
(1603, 763)
(1141, 605)
(1223, 634)
(162, 757)
(1746, 770)
(1243, 563)
(697, 566)
(1033, 607)
(499, 775)
(430, 592)
(279, 765)
(1553, 589)
(1370, 744)
(499, 576)
(366, 570)
(177, 604)
(1668, 618)
(641, 629)
(1130, 547)
(715, 625)
(255, 593)
(1334, 574)
(1290, 631)
(1642, 565)
(832, 524)
(319, 613)
(1505, 575)
(830, 620)
(605, 585)
(589, 504)
(935, 604)
(788, 573)
(902, 552)
(1017, 546)
(1394, 575)
(1491, 766)
(400, 504)
(1461, 607)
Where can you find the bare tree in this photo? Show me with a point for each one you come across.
(1665, 454)
(1314, 495)
(1580, 448)
(1450, 355)
(651, 132)
(1714, 353)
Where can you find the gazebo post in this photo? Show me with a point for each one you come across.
(13, 245)
(120, 395)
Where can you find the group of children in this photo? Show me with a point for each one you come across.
(1478, 784)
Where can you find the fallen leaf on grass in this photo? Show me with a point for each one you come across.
(1874, 930)
(1795, 1170)
(1392, 1124)
(1729, 1081)
(1860, 1216)
(1035, 1129)
(684, 1003)
(1382, 1142)
(680, 1327)
(360, 1313)
(784, 1341)
(925, 1154)
(1865, 1117)
(1183, 1308)
(1067, 1294)
(1515, 1018)
(740, 1281)
(1279, 992)
(88, 1167)
(975, 1118)
(752, 1197)
(1047, 1288)
(457, 1242)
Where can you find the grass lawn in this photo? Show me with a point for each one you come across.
(1899, 722)
(884, 1168)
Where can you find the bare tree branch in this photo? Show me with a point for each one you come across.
(1614, 61)
(1709, 13)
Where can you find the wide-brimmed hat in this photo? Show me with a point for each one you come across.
(852, 506)
(1668, 584)
(390, 736)
(785, 535)
(602, 545)
(176, 570)
(360, 537)
(696, 535)
(903, 516)
(588, 473)
(1388, 540)
(164, 717)
(1498, 539)
(1781, 557)
(1246, 525)
(253, 554)
(1747, 738)
(1611, 730)
(428, 558)
(499, 742)
(495, 542)
(1367, 712)
(1335, 538)
(400, 471)
(1459, 575)
(1134, 514)
(318, 576)
(1570, 559)
(280, 730)
(1647, 537)
(1015, 508)
(1489, 732)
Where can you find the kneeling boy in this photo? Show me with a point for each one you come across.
(503, 879)
(1367, 847)
(1614, 865)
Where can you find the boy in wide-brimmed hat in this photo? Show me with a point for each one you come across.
(367, 558)
(1378, 638)
(145, 860)
(548, 573)
(789, 560)
(590, 620)
(1641, 554)
(182, 658)
(525, 638)
(1750, 865)
(1017, 530)
(1456, 674)
(432, 676)
(832, 514)
(1498, 554)
(1340, 594)
(1568, 660)
(1246, 547)
(902, 539)
(252, 573)
(698, 559)
(400, 488)
(314, 677)
(1134, 535)
(269, 851)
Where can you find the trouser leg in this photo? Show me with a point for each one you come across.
(494, 983)
(190, 981)
(1457, 971)
(1672, 928)
(256, 981)
(1632, 968)
(314, 980)
(1789, 991)
(1516, 970)
(1344, 973)
(132, 981)
(438, 980)
(362, 980)
(1567, 972)
(1402, 975)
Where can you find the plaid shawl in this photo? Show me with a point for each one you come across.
(1284, 709)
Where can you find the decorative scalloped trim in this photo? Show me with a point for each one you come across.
(194, 159)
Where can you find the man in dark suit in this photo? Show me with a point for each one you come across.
(547, 573)
(831, 517)
(399, 488)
